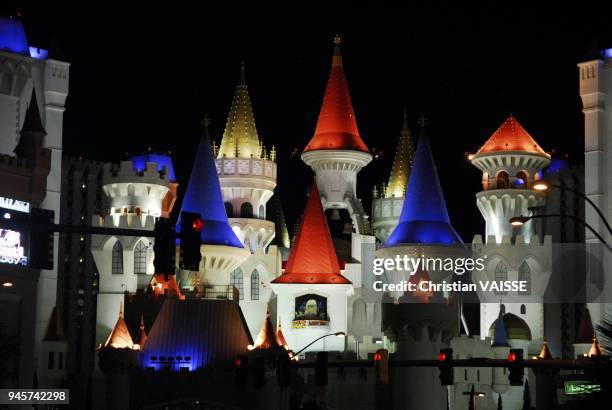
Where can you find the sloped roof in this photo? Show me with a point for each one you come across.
(120, 337)
(337, 126)
(402, 163)
(13, 37)
(424, 218)
(240, 135)
(312, 258)
(511, 136)
(266, 339)
(55, 329)
(203, 196)
(500, 337)
(212, 332)
(545, 352)
(280, 338)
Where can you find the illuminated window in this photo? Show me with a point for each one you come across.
(524, 274)
(255, 285)
(237, 282)
(117, 265)
(140, 258)
(501, 274)
(522, 176)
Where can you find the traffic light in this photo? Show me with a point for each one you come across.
(320, 366)
(283, 370)
(447, 372)
(381, 361)
(516, 367)
(260, 373)
(41, 241)
(164, 247)
(191, 240)
(242, 370)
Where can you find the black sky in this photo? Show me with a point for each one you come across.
(141, 78)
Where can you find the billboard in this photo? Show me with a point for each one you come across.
(14, 244)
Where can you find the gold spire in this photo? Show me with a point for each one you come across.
(545, 352)
(595, 351)
(402, 163)
(240, 137)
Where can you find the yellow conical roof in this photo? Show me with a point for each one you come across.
(402, 164)
(240, 137)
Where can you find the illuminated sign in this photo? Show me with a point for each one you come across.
(574, 387)
(14, 204)
(13, 244)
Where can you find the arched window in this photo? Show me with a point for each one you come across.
(255, 285)
(262, 212)
(229, 209)
(503, 181)
(502, 309)
(246, 210)
(140, 258)
(501, 274)
(524, 274)
(237, 282)
(523, 309)
(117, 264)
(522, 179)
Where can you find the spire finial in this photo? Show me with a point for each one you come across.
(120, 310)
(205, 120)
(337, 39)
(141, 322)
(242, 73)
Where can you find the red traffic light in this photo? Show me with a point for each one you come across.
(442, 356)
(512, 357)
(197, 224)
(377, 357)
(237, 362)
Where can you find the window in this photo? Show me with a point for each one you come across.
(523, 310)
(229, 210)
(501, 274)
(524, 274)
(522, 179)
(51, 361)
(140, 258)
(502, 309)
(503, 182)
(60, 360)
(117, 264)
(236, 281)
(255, 285)
(246, 210)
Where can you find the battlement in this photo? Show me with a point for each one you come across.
(506, 240)
(127, 221)
(467, 347)
(126, 172)
(246, 167)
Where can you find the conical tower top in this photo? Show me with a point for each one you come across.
(402, 163)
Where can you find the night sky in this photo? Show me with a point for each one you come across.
(145, 79)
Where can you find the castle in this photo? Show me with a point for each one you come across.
(250, 273)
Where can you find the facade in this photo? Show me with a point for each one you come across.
(33, 90)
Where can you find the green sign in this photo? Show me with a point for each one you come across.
(574, 387)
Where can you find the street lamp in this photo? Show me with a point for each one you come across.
(521, 220)
(338, 334)
(544, 186)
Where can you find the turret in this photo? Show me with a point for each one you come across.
(222, 251)
(247, 173)
(312, 294)
(387, 203)
(336, 152)
(510, 161)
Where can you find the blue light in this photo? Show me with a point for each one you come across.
(557, 165)
(140, 163)
(519, 181)
(12, 36)
(607, 53)
(424, 217)
(39, 53)
(203, 196)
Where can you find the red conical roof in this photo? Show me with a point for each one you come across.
(511, 136)
(313, 258)
(336, 128)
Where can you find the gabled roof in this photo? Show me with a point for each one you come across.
(402, 163)
(55, 330)
(203, 196)
(337, 127)
(511, 136)
(240, 136)
(424, 218)
(312, 258)
(119, 337)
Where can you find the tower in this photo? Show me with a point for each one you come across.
(595, 79)
(312, 293)
(136, 195)
(336, 152)
(387, 203)
(221, 250)
(510, 161)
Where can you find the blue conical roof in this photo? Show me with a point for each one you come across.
(500, 337)
(203, 196)
(424, 217)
